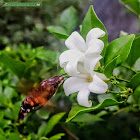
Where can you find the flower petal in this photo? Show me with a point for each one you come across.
(74, 84)
(82, 98)
(100, 75)
(94, 34)
(75, 41)
(71, 68)
(69, 55)
(95, 47)
(90, 62)
(97, 86)
(81, 68)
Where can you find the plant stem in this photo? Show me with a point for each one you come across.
(129, 68)
(122, 80)
(114, 92)
(120, 92)
(70, 133)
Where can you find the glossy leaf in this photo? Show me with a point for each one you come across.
(58, 31)
(69, 19)
(133, 5)
(135, 81)
(134, 53)
(108, 71)
(102, 97)
(121, 47)
(47, 128)
(92, 21)
(87, 117)
(80, 110)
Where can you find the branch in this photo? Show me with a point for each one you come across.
(70, 133)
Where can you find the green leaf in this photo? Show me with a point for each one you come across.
(57, 136)
(47, 128)
(12, 111)
(14, 136)
(47, 55)
(5, 123)
(87, 117)
(1, 115)
(92, 21)
(41, 130)
(16, 109)
(108, 71)
(133, 5)
(58, 32)
(134, 53)
(9, 114)
(10, 93)
(135, 81)
(1, 87)
(102, 97)
(121, 47)
(43, 114)
(69, 19)
(3, 99)
(80, 110)
(53, 121)
(2, 137)
(17, 67)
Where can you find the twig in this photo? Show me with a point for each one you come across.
(120, 79)
(70, 133)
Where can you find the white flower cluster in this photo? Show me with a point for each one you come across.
(80, 61)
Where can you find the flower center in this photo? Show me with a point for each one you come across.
(89, 79)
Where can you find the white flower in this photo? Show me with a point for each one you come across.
(85, 83)
(81, 51)
(79, 62)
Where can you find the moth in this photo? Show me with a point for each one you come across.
(40, 95)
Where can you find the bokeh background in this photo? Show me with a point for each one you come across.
(24, 36)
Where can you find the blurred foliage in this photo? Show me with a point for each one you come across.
(28, 24)
(27, 57)
(68, 21)
(134, 5)
(13, 86)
